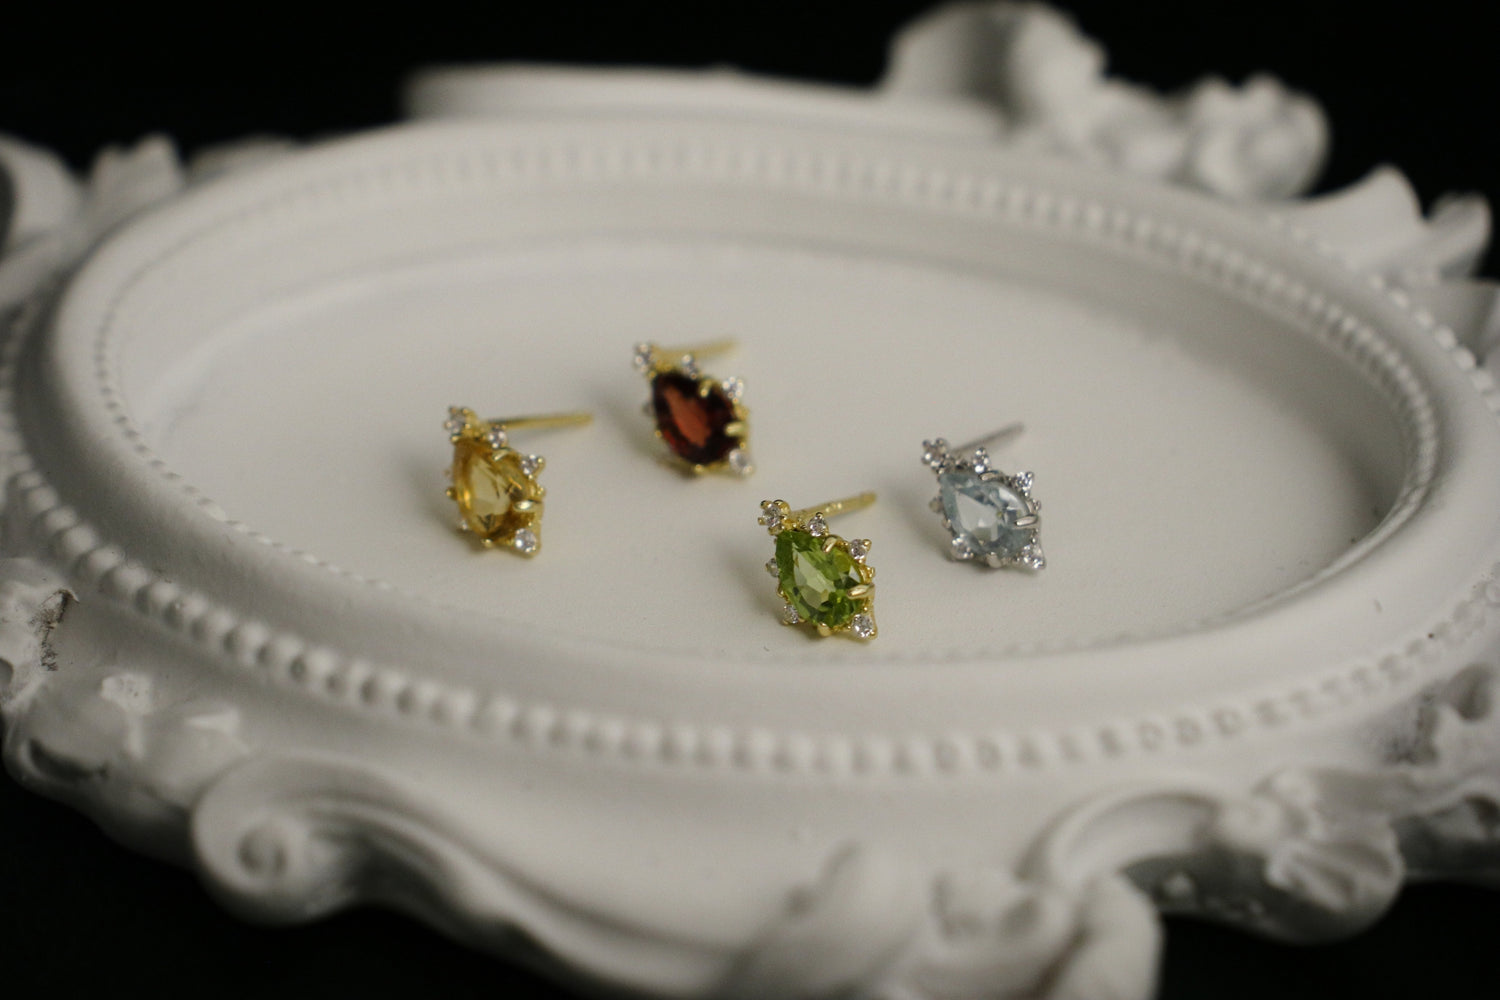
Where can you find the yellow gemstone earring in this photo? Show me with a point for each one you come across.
(823, 579)
(499, 500)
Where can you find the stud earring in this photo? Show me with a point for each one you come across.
(992, 516)
(823, 579)
(701, 419)
(499, 500)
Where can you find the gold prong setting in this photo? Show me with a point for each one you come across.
(702, 421)
(823, 580)
(495, 486)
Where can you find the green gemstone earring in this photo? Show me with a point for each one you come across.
(823, 579)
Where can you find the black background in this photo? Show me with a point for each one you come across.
(1414, 84)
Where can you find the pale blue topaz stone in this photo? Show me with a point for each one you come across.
(992, 517)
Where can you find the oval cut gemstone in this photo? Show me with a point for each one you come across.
(815, 582)
(984, 514)
(693, 426)
(487, 486)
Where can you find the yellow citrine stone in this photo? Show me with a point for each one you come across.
(499, 499)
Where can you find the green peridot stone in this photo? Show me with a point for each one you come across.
(817, 583)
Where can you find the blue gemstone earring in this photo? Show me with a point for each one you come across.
(992, 516)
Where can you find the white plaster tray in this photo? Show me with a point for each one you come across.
(243, 633)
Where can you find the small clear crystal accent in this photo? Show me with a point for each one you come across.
(771, 515)
(739, 462)
(525, 541)
(643, 356)
(980, 460)
(934, 452)
(817, 527)
(859, 548)
(734, 388)
(961, 549)
(1022, 481)
(789, 615)
(862, 626)
(496, 438)
(531, 464)
(689, 366)
(772, 568)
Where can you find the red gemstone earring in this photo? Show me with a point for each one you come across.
(700, 418)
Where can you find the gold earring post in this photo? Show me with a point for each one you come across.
(710, 349)
(576, 419)
(833, 508)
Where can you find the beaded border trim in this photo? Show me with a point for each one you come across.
(357, 684)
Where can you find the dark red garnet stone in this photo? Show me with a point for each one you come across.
(692, 425)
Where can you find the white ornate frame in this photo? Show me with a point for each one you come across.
(249, 730)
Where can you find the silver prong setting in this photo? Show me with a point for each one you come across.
(995, 519)
(935, 453)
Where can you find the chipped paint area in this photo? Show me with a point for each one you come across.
(33, 603)
(48, 616)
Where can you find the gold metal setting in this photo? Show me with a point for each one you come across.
(495, 486)
(701, 420)
(823, 579)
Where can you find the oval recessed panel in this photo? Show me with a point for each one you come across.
(1192, 460)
